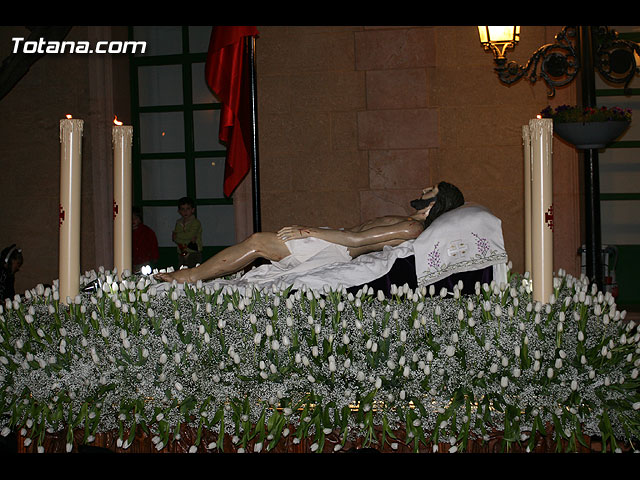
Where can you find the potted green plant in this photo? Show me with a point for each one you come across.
(587, 127)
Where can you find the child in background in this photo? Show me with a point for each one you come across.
(187, 234)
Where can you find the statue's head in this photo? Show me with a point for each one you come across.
(440, 199)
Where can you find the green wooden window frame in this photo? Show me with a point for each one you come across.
(628, 259)
(185, 59)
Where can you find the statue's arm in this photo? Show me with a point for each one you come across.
(403, 230)
(378, 222)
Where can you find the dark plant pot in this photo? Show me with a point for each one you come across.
(591, 134)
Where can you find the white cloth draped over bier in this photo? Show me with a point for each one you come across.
(465, 239)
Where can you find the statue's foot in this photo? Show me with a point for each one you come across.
(180, 276)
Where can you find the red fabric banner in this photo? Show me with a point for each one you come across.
(227, 75)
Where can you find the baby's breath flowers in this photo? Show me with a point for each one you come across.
(263, 365)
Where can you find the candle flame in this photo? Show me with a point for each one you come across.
(68, 115)
(116, 121)
(539, 116)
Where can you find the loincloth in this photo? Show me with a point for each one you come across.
(314, 252)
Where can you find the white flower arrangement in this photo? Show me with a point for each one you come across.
(254, 364)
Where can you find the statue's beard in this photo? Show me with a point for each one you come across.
(421, 203)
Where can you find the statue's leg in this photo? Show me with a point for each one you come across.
(232, 259)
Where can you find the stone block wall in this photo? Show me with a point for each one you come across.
(355, 121)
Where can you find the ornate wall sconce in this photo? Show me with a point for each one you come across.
(558, 63)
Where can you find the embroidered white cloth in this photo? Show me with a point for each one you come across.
(465, 239)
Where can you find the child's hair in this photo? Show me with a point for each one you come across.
(186, 201)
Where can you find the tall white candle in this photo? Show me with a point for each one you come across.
(122, 196)
(541, 130)
(69, 209)
(526, 141)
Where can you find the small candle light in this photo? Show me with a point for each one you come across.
(69, 208)
(122, 195)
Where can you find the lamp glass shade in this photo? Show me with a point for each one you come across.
(497, 35)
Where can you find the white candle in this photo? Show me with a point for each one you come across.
(69, 209)
(541, 130)
(122, 196)
(526, 140)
